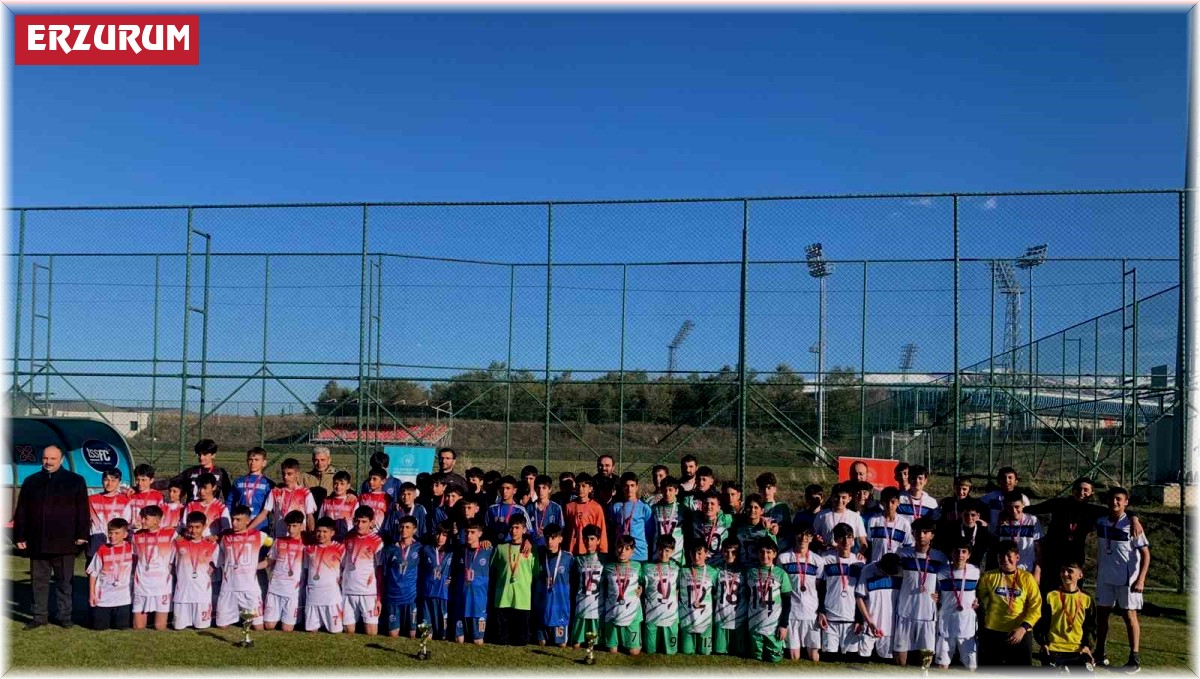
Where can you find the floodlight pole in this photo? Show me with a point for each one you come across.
(821, 370)
(1186, 384)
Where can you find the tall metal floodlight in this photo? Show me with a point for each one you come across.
(819, 269)
(1010, 287)
(908, 356)
(684, 331)
(1035, 256)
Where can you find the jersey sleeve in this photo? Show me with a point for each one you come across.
(269, 503)
(860, 527)
(310, 504)
(785, 582)
(96, 564)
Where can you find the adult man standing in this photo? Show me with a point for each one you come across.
(447, 458)
(687, 473)
(605, 481)
(206, 452)
(50, 525)
(320, 476)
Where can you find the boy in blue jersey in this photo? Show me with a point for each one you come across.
(401, 567)
(553, 588)
(436, 560)
(470, 582)
(631, 517)
(253, 488)
(391, 484)
(407, 506)
(585, 582)
(500, 514)
(542, 511)
(448, 511)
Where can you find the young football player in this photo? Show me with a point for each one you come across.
(957, 584)
(286, 563)
(552, 593)
(888, 531)
(469, 605)
(582, 512)
(253, 488)
(499, 515)
(915, 503)
(838, 583)
(660, 600)
(152, 557)
(807, 515)
(173, 506)
(1122, 561)
(1023, 529)
(876, 595)
(216, 514)
(711, 527)
(777, 514)
(1010, 605)
(288, 497)
(769, 607)
(750, 527)
(323, 593)
(731, 498)
(669, 515)
(143, 495)
(1006, 482)
(407, 505)
(622, 614)
(840, 512)
(105, 506)
(804, 567)
(110, 579)
(401, 570)
(196, 560)
(917, 611)
(697, 584)
(513, 572)
(377, 499)
(630, 516)
(586, 581)
(436, 560)
(729, 615)
(1067, 628)
(240, 548)
(542, 511)
(340, 506)
(362, 574)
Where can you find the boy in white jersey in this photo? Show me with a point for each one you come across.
(803, 566)
(1006, 482)
(172, 507)
(916, 612)
(362, 582)
(196, 560)
(323, 566)
(839, 580)
(216, 514)
(622, 614)
(109, 579)
(340, 505)
(239, 590)
(1122, 561)
(697, 585)
(106, 506)
(877, 593)
(957, 583)
(915, 503)
(840, 512)
(143, 495)
(287, 497)
(1023, 529)
(152, 556)
(585, 582)
(670, 515)
(660, 600)
(286, 563)
(729, 618)
(888, 532)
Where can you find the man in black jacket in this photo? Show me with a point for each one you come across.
(50, 525)
(1071, 520)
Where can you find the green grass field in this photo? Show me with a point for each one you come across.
(1165, 639)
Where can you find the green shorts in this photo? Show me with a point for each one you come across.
(691, 643)
(663, 640)
(768, 648)
(579, 629)
(729, 641)
(623, 638)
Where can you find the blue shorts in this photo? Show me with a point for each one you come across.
(556, 636)
(434, 614)
(470, 629)
(401, 617)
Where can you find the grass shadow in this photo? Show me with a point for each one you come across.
(20, 604)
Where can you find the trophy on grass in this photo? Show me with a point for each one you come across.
(589, 642)
(247, 618)
(926, 660)
(424, 633)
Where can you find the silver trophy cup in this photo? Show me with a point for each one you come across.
(247, 618)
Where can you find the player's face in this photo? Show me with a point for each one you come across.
(408, 498)
(374, 483)
(902, 477)
(659, 475)
(766, 555)
(117, 535)
(205, 459)
(970, 518)
(631, 489)
(295, 529)
(592, 543)
(439, 539)
(861, 497)
(961, 555)
(291, 477)
(324, 535)
(407, 530)
(1016, 509)
(730, 554)
(174, 494)
(362, 524)
(543, 492)
(470, 509)
(755, 510)
(844, 543)
(814, 500)
(923, 538)
(240, 522)
(476, 482)
(705, 482)
(255, 463)
(194, 531)
(1009, 561)
(892, 505)
(111, 484)
(341, 487)
(803, 540)
(624, 552)
(473, 535)
(530, 480)
(1008, 481)
(143, 483)
(961, 491)
(507, 490)
(206, 492)
(1117, 502)
(439, 489)
(711, 507)
(1070, 576)
(584, 491)
(733, 497)
(670, 493)
(841, 500)
(665, 554)
(554, 542)
(453, 497)
(918, 483)
(769, 491)
(151, 522)
(1084, 491)
(516, 532)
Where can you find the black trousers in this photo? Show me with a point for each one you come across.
(994, 649)
(60, 569)
(513, 626)
(111, 617)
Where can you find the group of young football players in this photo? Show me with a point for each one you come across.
(686, 568)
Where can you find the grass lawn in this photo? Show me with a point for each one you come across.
(1164, 645)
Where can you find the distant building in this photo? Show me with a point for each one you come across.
(127, 421)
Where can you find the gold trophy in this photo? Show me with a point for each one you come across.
(589, 642)
(247, 618)
(926, 660)
(424, 633)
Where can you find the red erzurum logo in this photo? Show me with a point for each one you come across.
(107, 40)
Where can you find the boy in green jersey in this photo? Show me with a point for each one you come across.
(660, 600)
(770, 591)
(729, 623)
(777, 514)
(697, 583)
(585, 582)
(668, 516)
(711, 526)
(752, 526)
(622, 616)
(512, 575)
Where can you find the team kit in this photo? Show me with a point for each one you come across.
(693, 570)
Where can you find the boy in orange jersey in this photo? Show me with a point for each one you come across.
(582, 512)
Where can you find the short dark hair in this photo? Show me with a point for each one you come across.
(964, 544)
(205, 447)
(380, 459)
(151, 511)
(888, 494)
(731, 485)
(175, 483)
(842, 530)
(669, 482)
(591, 530)
(113, 473)
(730, 542)
(529, 470)
(543, 480)
(509, 480)
(686, 459)
(364, 512)
(197, 517)
(629, 476)
(654, 470)
(1117, 490)
(923, 525)
(962, 481)
(813, 489)
(1005, 471)
(377, 472)
(294, 517)
(705, 471)
(240, 510)
(143, 469)
(1079, 482)
(766, 543)
(918, 470)
(623, 541)
(582, 479)
(454, 454)
(665, 542)
(205, 479)
(257, 450)
(1007, 547)
(327, 522)
(342, 476)
(890, 563)
(290, 463)
(753, 498)
(766, 479)
(473, 472)
(1013, 496)
(802, 528)
(118, 524)
(408, 485)
(552, 531)
(563, 476)
(518, 520)
(408, 519)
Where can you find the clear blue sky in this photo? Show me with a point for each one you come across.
(391, 107)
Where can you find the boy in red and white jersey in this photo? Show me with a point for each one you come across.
(362, 586)
(196, 560)
(286, 562)
(323, 594)
(172, 506)
(104, 507)
(288, 497)
(109, 579)
(376, 499)
(340, 505)
(153, 552)
(216, 514)
(143, 495)
(239, 591)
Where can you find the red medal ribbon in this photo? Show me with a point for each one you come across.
(959, 592)
(622, 583)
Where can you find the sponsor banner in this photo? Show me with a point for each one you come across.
(880, 473)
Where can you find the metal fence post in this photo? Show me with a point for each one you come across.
(992, 374)
(362, 339)
(862, 371)
(621, 377)
(741, 426)
(154, 364)
(512, 286)
(1183, 372)
(183, 369)
(16, 385)
(549, 274)
(957, 376)
(262, 395)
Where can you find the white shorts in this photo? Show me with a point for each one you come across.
(914, 635)
(360, 607)
(803, 634)
(1108, 595)
(881, 645)
(192, 615)
(945, 648)
(231, 603)
(839, 637)
(283, 609)
(329, 617)
(151, 604)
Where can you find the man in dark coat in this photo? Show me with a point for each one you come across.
(1072, 519)
(50, 525)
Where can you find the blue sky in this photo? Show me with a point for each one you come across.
(415, 107)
